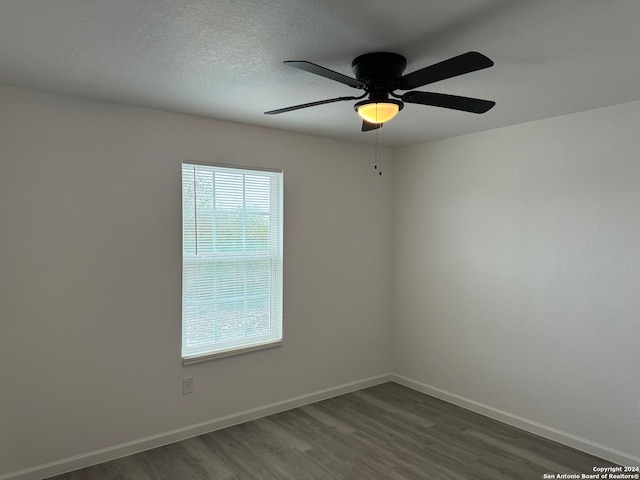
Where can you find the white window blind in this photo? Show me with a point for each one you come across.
(232, 226)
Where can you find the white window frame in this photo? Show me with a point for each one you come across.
(199, 294)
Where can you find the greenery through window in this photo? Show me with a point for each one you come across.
(232, 230)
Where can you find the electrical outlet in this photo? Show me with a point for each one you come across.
(187, 385)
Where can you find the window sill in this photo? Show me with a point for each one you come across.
(229, 353)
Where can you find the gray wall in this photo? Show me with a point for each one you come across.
(502, 265)
(90, 274)
(517, 272)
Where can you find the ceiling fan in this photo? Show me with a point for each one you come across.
(380, 75)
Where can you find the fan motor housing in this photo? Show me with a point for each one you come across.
(378, 67)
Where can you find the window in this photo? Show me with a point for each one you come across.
(231, 260)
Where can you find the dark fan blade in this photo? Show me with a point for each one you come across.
(325, 72)
(367, 126)
(312, 104)
(466, 104)
(465, 63)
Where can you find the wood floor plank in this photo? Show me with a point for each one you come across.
(394, 410)
(132, 467)
(330, 421)
(237, 455)
(208, 458)
(386, 432)
(170, 462)
(276, 427)
(103, 471)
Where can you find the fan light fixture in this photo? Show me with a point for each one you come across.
(378, 112)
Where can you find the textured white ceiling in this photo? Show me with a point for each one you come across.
(223, 58)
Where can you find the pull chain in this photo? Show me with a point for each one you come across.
(378, 162)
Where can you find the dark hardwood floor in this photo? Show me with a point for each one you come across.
(385, 432)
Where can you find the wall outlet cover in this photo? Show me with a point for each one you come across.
(187, 385)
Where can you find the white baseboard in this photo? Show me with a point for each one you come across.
(129, 448)
(545, 431)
